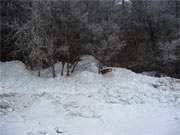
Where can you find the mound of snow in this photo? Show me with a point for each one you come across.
(88, 77)
(87, 63)
(87, 103)
(13, 70)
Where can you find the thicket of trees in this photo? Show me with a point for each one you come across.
(130, 33)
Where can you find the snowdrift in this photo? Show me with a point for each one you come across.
(123, 103)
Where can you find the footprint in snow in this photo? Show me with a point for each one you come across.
(58, 130)
(176, 118)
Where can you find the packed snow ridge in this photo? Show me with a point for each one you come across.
(87, 103)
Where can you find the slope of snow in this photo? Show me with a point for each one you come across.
(121, 103)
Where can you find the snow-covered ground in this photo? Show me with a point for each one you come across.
(120, 103)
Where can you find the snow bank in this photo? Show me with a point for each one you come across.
(123, 103)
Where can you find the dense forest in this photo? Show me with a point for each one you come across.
(142, 35)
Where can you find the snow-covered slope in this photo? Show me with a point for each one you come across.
(121, 103)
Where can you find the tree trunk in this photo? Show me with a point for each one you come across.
(153, 47)
(62, 70)
(151, 33)
(177, 17)
(68, 69)
(74, 66)
(68, 61)
(39, 73)
(53, 69)
(99, 67)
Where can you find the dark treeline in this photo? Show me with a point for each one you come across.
(142, 35)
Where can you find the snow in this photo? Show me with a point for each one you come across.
(120, 103)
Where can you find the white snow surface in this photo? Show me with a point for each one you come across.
(120, 103)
